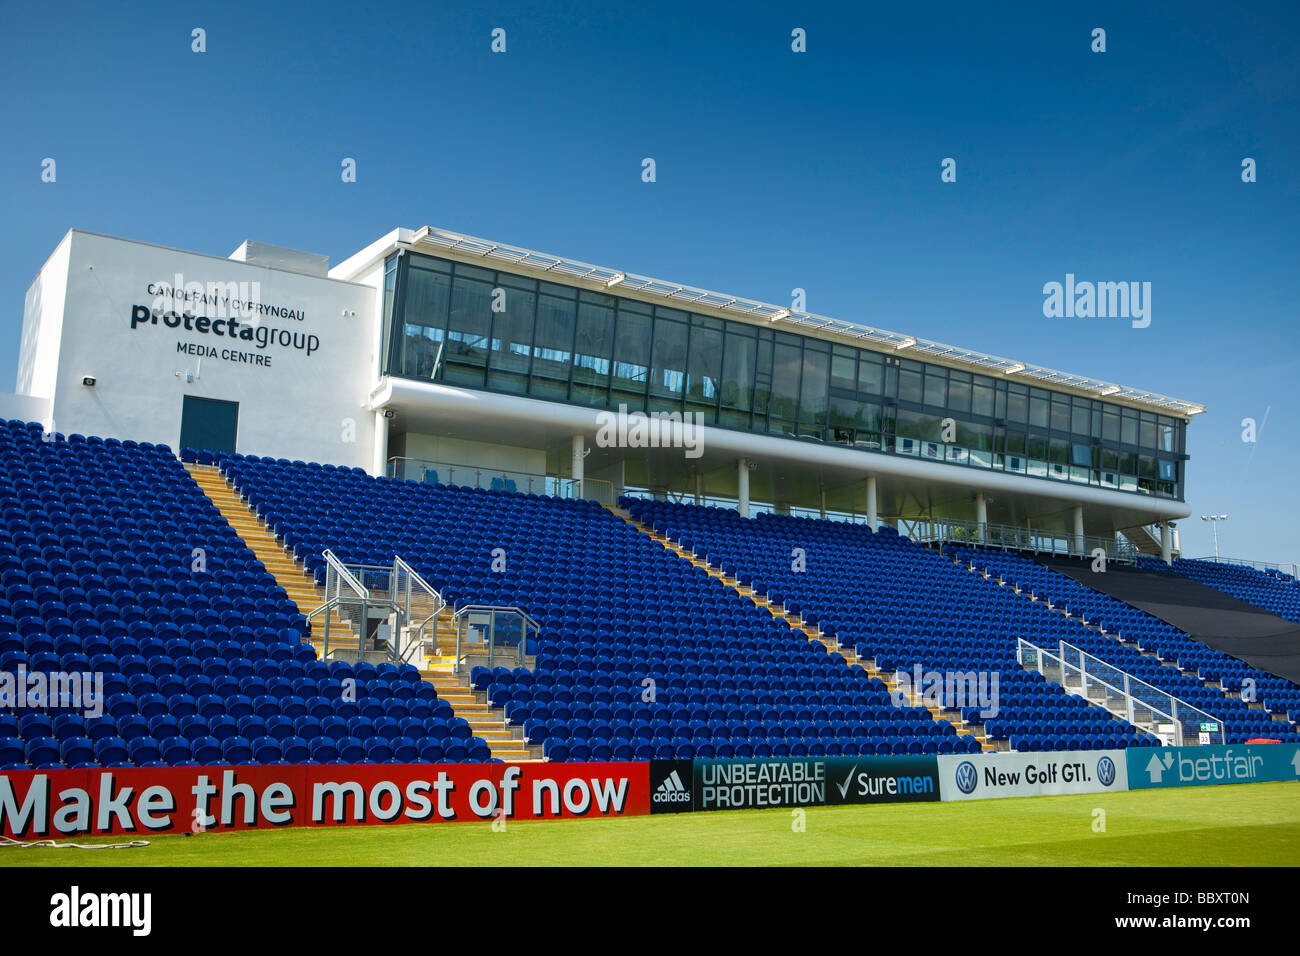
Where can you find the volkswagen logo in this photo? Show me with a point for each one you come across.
(1106, 771)
(966, 777)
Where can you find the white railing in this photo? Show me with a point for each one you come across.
(1290, 569)
(1013, 538)
(1141, 704)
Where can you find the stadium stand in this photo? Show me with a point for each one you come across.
(1212, 617)
(900, 604)
(1182, 666)
(1274, 591)
(114, 562)
(641, 654)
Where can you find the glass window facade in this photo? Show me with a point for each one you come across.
(469, 326)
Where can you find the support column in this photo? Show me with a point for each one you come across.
(1078, 529)
(579, 467)
(822, 502)
(873, 516)
(742, 487)
(699, 488)
(379, 466)
(1166, 544)
(981, 517)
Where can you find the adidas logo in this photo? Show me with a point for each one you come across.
(671, 790)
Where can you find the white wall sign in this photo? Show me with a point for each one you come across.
(985, 776)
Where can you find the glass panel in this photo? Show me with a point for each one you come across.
(1038, 405)
(553, 346)
(473, 272)
(425, 311)
(909, 385)
(703, 370)
(1081, 418)
(959, 392)
(631, 359)
(1110, 425)
(668, 364)
(763, 376)
(936, 386)
(844, 369)
(785, 381)
(591, 352)
(738, 369)
(1166, 435)
(1129, 428)
(1147, 435)
(870, 379)
(512, 340)
(1060, 413)
(467, 331)
(1017, 404)
(812, 400)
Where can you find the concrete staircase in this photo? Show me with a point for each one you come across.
(288, 572)
(505, 742)
(850, 655)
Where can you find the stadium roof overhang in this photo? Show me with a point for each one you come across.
(794, 471)
(601, 278)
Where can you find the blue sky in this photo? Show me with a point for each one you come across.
(775, 170)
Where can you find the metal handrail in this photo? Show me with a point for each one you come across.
(1254, 565)
(400, 567)
(1014, 538)
(493, 610)
(326, 607)
(1131, 684)
(452, 473)
(332, 560)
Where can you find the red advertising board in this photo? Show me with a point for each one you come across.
(49, 804)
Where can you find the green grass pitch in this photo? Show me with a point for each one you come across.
(1240, 825)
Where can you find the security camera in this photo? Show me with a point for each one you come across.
(389, 413)
(88, 381)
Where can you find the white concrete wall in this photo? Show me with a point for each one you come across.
(293, 405)
(24, 408)
(38, 353)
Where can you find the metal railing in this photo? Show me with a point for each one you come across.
(1122, 694)
(1013, 538)
(1292, 570)
(344, 593)
(419, 605)
(491, 627)
(355, 591)
(490, 479)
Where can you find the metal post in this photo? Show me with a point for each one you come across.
(492, 635)
(361, 630)
(460, 626)
(1178, 724)
(1128, 699)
